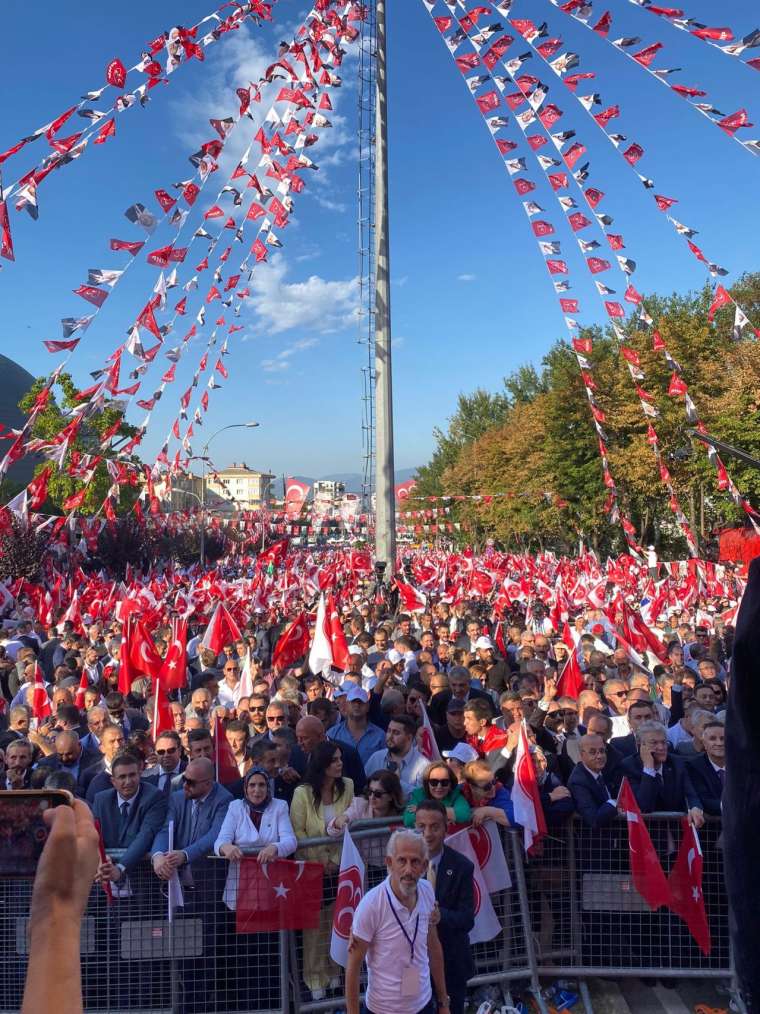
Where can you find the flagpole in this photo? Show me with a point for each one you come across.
(385, 518)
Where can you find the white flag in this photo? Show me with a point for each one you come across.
(175, 898)
(489, 852)
(350, 893)
(320, 653)
(426, 738)
(487, 925)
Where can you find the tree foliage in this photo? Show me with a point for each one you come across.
(535, 444)
(54, 417)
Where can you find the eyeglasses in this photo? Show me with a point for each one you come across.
(564, 712)
(232, 668)
(171, 749)
(276, 719)
(192, 782)
(377, 793)
(439, 783)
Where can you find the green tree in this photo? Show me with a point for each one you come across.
(54, 418)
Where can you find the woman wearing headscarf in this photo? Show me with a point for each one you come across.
(324, 795)
(255, 821)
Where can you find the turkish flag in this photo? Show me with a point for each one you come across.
(646, 871)
(292, 644)
(221, 630)
(40, 701)
(570, 681)
(281, 895)
(173, 672)
(143, 657)
(337, 635)
(489, 852)
(224, 759)
(83, 685)
(685, 883)
(526, 798)
(411, 599)
(350, 893)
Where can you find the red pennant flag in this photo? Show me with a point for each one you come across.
(75, 501)
(677, 386)
(166, 201)
(292, 644)
(570, 682)
(116, 74)
(733, 122)
(162, 719)
(281, 895)
(337, 635)
(664, 203)
(107, 130)
(6, 243)
(38, 487)
(92, 294)
(646, 871)
(122, 244)
(721, 298)
(173, 674)
(526, 797)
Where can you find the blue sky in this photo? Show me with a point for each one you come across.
(471, 298)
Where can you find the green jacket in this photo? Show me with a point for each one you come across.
(455, 800)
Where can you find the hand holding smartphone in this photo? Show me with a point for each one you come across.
(23, 829)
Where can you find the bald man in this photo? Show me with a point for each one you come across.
(69, 756)
(310, 731)
(593, 796)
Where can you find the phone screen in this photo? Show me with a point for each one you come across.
(23, 832)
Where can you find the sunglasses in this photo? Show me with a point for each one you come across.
(377, 793)
(256, 708)
(276, 719)
(162, 753)
(439, 783)
(483, 786)
(565, 712)
(192, 782)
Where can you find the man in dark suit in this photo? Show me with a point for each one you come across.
(638, 712)
(128, 718)
(131, 814)
(97, 777)
(708, 769)
(660, 782)
(460, 686)
(167, 775)
(452, 877)
(69, 756)
(310, 732)
(18, 764)
(593, 795)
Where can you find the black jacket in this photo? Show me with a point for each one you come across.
(706, 783)
(455, 895)
(89, 761)
(625, 745)
(676, 793)
(591, 800)
(146, 818)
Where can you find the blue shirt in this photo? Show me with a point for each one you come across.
(373, 739)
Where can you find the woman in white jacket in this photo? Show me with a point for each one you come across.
(256, 820)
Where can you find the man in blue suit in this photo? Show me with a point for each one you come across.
(708, 769)
(197, 811)
(131, 814)
(660, 783)
(594, 796)
(452, 877)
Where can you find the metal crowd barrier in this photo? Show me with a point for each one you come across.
(572, 912)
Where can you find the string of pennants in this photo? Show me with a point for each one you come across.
(712, 36)
(323, 32)
(544, 115)
(163, 56)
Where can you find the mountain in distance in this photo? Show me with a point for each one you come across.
(351, 480)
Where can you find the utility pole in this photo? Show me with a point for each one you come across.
(385, 506)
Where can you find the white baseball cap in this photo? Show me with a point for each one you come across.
(484, 642)
(462, 752)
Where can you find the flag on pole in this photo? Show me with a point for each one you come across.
(426, 738)
(489, 853)
(685, 883)
(487, 925)
(221, 630)
(350, 893)
(525, 795)
(570, 682)
(40, 700)
(320, 653)
(646, 871)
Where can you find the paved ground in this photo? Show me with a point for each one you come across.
(632, 996)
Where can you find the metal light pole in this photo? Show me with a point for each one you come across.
(204, 458)
(385, 508)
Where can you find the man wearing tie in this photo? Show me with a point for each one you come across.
(660, 783)
(196, 811)
(708, 769)
(166, 776)
(593, 796)
(451, 876)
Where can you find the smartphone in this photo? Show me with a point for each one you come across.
(23, 832)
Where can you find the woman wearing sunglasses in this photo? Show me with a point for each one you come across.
(487, 797)
(439, 783)
(383, 799)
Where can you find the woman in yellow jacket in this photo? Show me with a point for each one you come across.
(324, 795)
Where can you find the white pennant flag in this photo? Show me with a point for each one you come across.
(350, 893)
(487, 925)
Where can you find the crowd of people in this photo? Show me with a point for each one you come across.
(421, 725)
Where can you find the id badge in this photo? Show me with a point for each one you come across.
(410, 981)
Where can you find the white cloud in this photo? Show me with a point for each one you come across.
(282, 360)
(316, 304)
(466, 278)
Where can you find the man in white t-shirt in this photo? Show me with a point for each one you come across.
(394, 929)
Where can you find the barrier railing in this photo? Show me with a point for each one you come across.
(571, 913)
